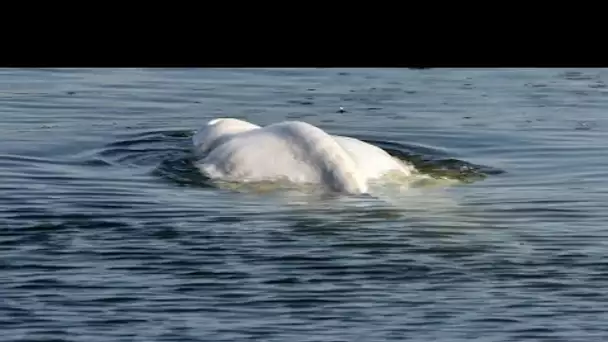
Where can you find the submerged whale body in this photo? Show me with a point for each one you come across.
(238, 151)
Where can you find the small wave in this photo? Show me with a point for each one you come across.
(168, 156)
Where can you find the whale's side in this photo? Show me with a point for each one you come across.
(238, 151)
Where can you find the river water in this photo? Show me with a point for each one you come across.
(108, 233)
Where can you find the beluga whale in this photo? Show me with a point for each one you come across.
(238, 151)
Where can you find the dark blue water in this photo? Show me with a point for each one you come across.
(107, 232)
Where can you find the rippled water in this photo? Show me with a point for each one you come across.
(107, 232)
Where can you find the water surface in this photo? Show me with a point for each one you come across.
(107, 232)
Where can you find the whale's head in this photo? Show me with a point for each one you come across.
(216, 131)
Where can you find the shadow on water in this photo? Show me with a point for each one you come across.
(169, 157)
(436, 163)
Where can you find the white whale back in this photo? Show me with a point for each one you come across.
(371, 160)
(238, 151)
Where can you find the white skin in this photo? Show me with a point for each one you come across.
(236, 150)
